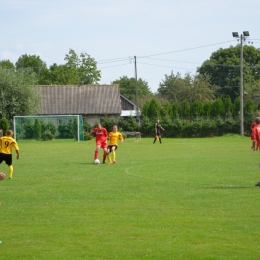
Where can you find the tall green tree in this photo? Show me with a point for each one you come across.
(177, 89)
(218, 108)
(153, 109)
(35, 64)
(84, 67)
(17, 93)
(6, 64)
(185, 108)
(223, 67)
(128, 88)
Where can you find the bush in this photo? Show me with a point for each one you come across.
(87, 136)
(47, 135)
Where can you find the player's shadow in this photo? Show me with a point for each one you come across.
(228, 187)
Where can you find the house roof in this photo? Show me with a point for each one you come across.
(84, 99)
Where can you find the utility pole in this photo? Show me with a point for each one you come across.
(136, 94)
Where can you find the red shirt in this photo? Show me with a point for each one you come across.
(101, 134)
(256, 135)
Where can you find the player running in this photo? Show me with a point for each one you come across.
(6, 144)
(113, 143)
(101, 141)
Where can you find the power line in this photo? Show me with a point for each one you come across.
(199, 47)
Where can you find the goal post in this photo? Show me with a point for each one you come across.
(59, 126)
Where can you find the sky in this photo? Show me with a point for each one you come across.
(165, 36)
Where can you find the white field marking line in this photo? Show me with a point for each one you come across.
(176, 181)
(140, 176)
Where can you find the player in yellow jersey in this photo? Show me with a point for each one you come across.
(113, 138)
(6, 144)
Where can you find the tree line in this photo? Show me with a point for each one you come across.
(213, 91)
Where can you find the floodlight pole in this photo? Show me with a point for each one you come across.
(242, 39)
(241, 87)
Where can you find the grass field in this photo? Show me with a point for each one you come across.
(183, 199)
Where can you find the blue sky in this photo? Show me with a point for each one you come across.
(164, 35)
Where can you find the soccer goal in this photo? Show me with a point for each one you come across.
(137, 135)
(56, 126)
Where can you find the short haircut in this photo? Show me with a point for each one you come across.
(257, 120)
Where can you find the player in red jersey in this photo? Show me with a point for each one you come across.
(256, 136)
(101, 141)
(254, 143)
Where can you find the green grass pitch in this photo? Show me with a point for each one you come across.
(183, 199)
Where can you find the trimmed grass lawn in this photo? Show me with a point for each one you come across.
(183, 199)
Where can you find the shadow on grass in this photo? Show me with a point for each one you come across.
(229, 187)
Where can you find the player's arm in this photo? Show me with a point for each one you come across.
(17, 154)
(120, 137)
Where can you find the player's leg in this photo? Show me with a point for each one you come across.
(108, 155)
(155, 139)
(9, 162)
(10, 170)
(96, 151)
(105, 154)
(114, 153)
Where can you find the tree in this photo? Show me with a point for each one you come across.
(190, 88)
(185, 109)
(128, 88)
(35, 64)
(84, 68)
(223, 67)
(6, 64)
(17, 93)
(173, 86)
(175, 109)
(218, 108)
(197, 108)
(153, 110)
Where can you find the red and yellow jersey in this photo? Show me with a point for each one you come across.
(114, 137)
(101, 134)
(6, 144)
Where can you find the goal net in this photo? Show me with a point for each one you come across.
(136, 135)
(40, 127)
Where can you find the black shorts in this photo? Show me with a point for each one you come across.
(6, 157)
(109, 148)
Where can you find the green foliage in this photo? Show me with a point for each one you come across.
(174, 88)
(87, 127)
(153, 109)
(37, 129)
(87, 136)
(47, 135)
(66, 130)
(197, 109)
(218, 108)
(6, 64)
(17, 94)
(223, 67)
(4, 125)
(249, 107)
(128, 87)
(147, 127)
(185, 108)
(29, 129)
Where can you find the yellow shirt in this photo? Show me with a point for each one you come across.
(114, 137)
(6, 144)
